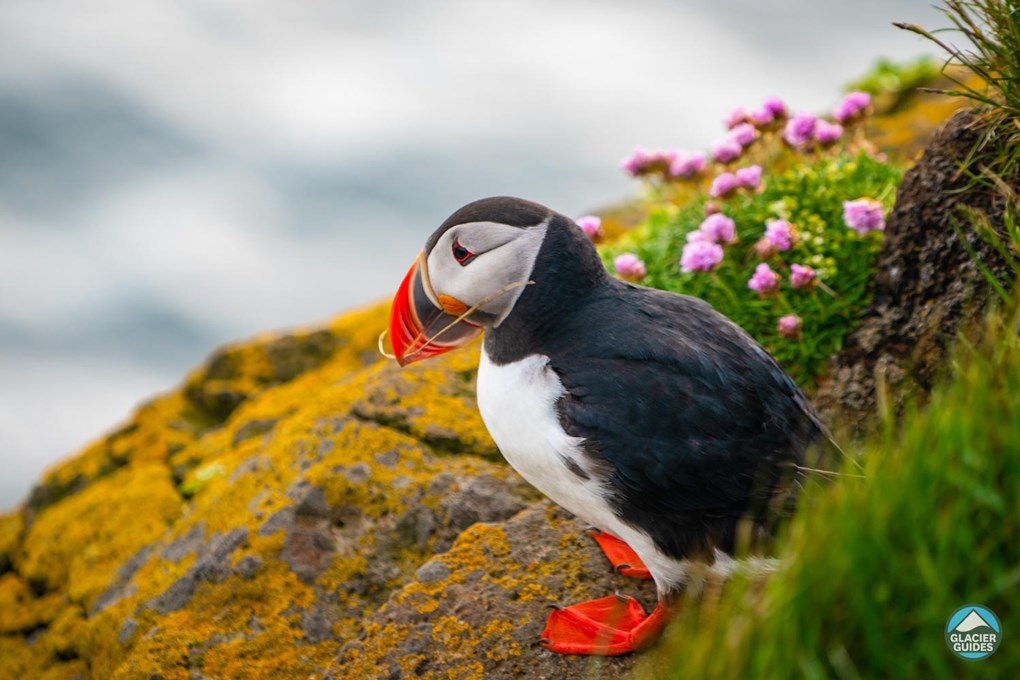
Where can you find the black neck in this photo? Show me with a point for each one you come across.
(567, 272)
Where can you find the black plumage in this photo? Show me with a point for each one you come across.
(694, 428)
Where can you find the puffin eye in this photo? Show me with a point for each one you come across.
(461, 254)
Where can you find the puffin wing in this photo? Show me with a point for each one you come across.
(693, 424)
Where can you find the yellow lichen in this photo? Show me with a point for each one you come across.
(80, 543)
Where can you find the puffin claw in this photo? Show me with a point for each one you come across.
(553, 605)
(622, 566)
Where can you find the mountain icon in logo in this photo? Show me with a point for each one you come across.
(973, 621)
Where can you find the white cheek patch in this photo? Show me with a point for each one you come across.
(505, 255)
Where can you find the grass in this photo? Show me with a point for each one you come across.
(991, 52)
(872, 569)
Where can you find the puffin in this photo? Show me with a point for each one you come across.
(648, 415)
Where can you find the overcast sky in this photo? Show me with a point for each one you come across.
(174, 175)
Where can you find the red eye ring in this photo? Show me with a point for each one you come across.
(461, 254)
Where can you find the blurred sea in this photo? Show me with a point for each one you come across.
(174, 175)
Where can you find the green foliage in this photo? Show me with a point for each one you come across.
(872, 568)
(890, 77)
(810, 195)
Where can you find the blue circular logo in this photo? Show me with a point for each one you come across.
(973, 632)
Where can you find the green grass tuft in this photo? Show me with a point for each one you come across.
(873, 568)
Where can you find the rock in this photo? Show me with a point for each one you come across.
(479, 609)
(927, 286)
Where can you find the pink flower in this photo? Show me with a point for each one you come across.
(687, 164)
(718, 228)
(789, 326)
(711, 208)
(735, 117)
(826, 133)
(723, 185)
(700, 256)
(591, 226)
(800, 130)
(764, 281)
(765, 249)
(749, 177)
(863, 215)
(630, 266)
(776, 107)
(697, 235)
(644, 162)
(852, 107)
(727, 150)
(779, 233)
(761, 117)
(743, 134)
(801, 276)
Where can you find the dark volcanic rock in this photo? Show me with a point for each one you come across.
(927, 285)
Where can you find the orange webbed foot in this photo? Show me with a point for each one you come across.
(609, 626)
(621, 555)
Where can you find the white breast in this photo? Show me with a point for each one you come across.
(518, 405)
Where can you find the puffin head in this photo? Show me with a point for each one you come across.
(470, 275)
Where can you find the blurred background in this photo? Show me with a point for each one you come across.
(177, 174)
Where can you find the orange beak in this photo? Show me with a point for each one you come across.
(424, 325)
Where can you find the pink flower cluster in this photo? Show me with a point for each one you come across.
(700, 256)
(703, 250)
(789, 326)
(630, 267)
(802, 277)
(671, 163)
(732, 146)
(591, 226)
(742, 178)
(803, 131)
(764, 281)
(779, 233)
(852, 107)
(771, 110)
(863, 215)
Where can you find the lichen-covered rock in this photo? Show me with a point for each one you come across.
(478, 610)
(255, 541)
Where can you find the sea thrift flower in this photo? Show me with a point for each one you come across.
(776, 107)
(630, 266)
(800, 130)
(644, 162)
(735, 117)
(591, 226)
(852, 107)
(687, 164)
(697, 235)
(764, 281)
(711, 208)
(765, 249)
(826, 133)
(743, 134)
(801, 276)
(863, 215)
(749, 177)
(761, 117)
(723, 185)
(727, 150)
(718, 228)
(779, 233)
(789, 326)
(700, 256)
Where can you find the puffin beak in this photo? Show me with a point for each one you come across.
(422, 324)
